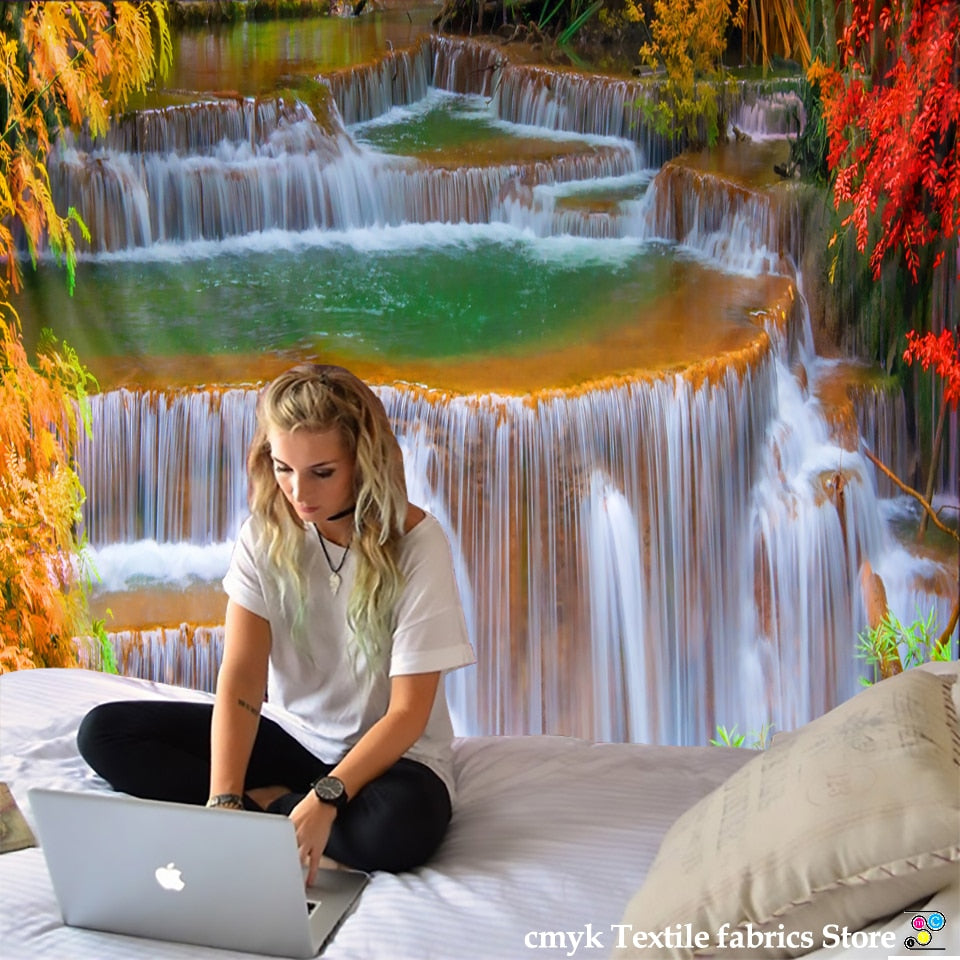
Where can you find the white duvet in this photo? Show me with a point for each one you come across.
(550, 835)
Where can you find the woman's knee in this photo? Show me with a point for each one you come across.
(150, 748)
(100, 727)
(398, 823)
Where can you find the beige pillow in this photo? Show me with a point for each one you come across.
(854, 817)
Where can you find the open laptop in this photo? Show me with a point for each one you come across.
(219, 878)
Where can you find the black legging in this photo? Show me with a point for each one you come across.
(161, 751)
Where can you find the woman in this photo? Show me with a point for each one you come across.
(344, 608)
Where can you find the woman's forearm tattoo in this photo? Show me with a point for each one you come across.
(249, 706)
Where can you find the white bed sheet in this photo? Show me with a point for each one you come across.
(548, 834)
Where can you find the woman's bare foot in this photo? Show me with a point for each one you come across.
(264, 796)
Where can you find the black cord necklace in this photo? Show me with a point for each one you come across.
(335, 579)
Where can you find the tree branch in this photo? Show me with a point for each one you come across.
(944, 638)
(919, 497)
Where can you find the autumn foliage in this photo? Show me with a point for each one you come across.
(61, 64)
(943, 354)
(892, 111)
(41, 597)
(688, 38)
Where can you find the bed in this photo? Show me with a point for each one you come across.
(551, 836)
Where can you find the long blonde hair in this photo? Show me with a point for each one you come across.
(320, 397)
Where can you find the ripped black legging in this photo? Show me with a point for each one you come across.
(161, 751)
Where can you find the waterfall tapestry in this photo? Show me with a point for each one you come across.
(597, 358)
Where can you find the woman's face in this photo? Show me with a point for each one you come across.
(314, 470)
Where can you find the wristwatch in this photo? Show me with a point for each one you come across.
(331, 790)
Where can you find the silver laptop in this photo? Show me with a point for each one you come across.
(219, 878)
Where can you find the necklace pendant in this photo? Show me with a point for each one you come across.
(334, 570)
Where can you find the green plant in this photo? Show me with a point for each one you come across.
(808, 152)
(548, 12)
(108, 660)
(893, 642)
(571, 30)
(759, 739)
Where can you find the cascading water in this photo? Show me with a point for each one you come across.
(166, 467)
(300, 177)
(614, 566)
(640, 557)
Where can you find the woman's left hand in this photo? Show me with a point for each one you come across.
(312, 820)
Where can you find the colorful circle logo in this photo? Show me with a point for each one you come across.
(925, 927)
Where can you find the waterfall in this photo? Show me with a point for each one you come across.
(268, 170)
(815, 520)
(548, 210)
(228, 168)
(663, 447)
(614, 567)
(744, 230)
(528, 538)
(740, 229)
(635, 561)
(882, 422)
(465, 66)
(461, 685)
(185, 656)
(396, 79)
(606, 106)
(166, 467)
(200, 128)
(640, 557)
(574, 102)
(771, 108)
(301, 179)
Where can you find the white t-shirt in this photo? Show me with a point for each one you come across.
(321, 681)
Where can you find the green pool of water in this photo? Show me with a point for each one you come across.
(457, 130)
(413, 292)
(438, 123)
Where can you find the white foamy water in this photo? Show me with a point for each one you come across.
(388, 239)
(614, 565)
(124, 566)
(461, 685)
(467, 105)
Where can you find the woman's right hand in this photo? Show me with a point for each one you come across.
(313, 821)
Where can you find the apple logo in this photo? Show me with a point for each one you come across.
(169, 878)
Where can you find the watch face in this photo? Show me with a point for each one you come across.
(328, 788)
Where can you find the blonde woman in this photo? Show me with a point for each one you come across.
(343, 607)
